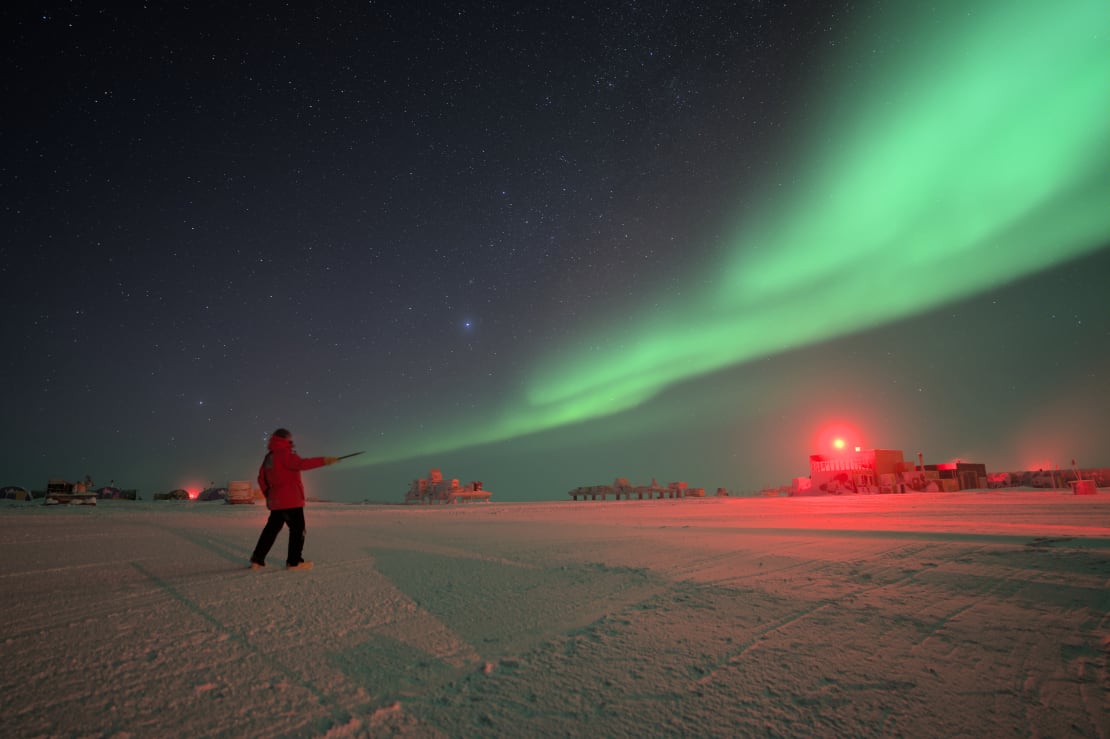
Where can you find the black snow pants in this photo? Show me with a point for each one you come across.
(294, 519)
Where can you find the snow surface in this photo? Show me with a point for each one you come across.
(966, 614)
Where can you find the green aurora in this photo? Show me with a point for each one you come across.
(977, 155)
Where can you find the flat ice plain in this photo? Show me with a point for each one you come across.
(928, 614)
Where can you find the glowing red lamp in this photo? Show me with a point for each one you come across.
(837, 437)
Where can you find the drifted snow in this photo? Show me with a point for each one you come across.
(968, 614)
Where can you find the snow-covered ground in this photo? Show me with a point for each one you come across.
(952, 614)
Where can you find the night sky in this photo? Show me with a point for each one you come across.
(546, 246)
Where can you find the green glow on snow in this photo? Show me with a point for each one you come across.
(978, 155)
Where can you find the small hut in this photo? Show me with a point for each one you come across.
(14, 492)
(239, 492)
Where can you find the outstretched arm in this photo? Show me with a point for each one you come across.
(297, 462)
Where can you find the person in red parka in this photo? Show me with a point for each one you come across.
(279, 477)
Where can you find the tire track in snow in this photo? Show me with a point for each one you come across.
(810, 568)
(336, 712)
(977, 596)
(738, 655)
(71, 568)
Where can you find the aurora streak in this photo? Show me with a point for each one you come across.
(976, 156)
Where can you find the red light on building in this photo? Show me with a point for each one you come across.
(837, 438)
(868, 470)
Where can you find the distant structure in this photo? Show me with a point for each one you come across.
(114, 493)
(434, 489)
(862, 471)
(15, 492)
(886, 471)
(212, 493)
(62, 491)
(240, 492)
(177, 494)
(964, 475)
(1053, 478)
(623, 489)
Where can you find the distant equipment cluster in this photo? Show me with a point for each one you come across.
(434, 489)
(622, 489)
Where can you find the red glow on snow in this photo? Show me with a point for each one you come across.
(1039, 463)
(192, 490)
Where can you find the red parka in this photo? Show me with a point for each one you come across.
(279, 477)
